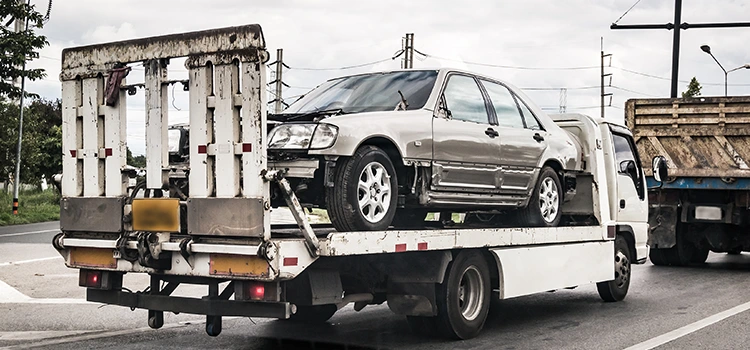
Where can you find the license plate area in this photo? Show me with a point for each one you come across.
(92, 257)
(156, 215)
(238, 265)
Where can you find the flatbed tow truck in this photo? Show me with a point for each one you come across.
(441, 277)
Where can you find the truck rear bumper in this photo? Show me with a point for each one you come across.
(191, 305)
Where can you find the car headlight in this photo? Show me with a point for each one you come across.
(302, 136)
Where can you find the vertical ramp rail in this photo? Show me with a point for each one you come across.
(228, 195)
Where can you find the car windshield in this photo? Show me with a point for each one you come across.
(368, 93)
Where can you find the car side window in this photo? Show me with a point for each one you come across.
(464, 100)
(627, 164)
(531, 122)
(505, 105)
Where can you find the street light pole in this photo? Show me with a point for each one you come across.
(707, 49)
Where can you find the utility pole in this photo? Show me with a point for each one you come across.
(603, 76)
(407, 44)
(20, 24)
(677, 26)
(278, 100)
(563, 100)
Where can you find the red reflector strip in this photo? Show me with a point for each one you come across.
(247, 147)
(202, 149)
(401, 247)
(73, 153)
(422, 246)
(107, 152)
(611, 231)
(290, 261)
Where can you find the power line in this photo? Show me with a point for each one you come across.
(633, 91)
(626, 12)
(509, 66)
(664, 78)
(344, 67)
(558, 88)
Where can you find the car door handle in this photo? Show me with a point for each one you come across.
(538, 137)
(492, 133)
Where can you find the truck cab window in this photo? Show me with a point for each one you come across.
(626, 161)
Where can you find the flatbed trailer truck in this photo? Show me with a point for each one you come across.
(704, 203)
(441, 277)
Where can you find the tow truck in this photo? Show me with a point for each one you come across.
(219, 234)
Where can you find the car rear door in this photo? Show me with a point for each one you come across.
(521, 139)
(465, 146)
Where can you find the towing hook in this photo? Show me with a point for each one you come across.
(57, 241)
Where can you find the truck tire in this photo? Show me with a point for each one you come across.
(365, 192)
(313, 313)
(617, 289)
(463, 299)
(545, 203)
(409, 218)
(700, 255)
(658, 256)
(681, 254)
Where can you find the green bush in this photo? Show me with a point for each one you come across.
(34, 206)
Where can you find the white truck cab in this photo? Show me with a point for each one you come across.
(440, 276)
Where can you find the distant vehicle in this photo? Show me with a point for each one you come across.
(703, 204)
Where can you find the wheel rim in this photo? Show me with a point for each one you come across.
(622, 269)
(374, 192)
(549, 201)
(470, 293)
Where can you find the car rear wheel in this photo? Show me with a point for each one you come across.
(365, 192)
(546, 199)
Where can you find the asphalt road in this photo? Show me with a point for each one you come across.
(41, 306)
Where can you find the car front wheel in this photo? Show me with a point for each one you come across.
(365, 192)
(546, 199)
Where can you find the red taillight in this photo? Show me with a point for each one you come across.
(257, 291)
(202, 149)
(90, 279)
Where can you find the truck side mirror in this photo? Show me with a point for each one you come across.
(659, 164)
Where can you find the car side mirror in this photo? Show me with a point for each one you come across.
(628, 167)
(659, 167)
(443, 111)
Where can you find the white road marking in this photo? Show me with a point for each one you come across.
(10, 295)
(38, 335)
(86, 337)
(695, 326)
(27, 233)
(29, 261)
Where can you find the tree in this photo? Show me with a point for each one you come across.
(138, 161)
(42, 140)
(694, 89)
(19, 47)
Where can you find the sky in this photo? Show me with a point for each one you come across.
(536, 42)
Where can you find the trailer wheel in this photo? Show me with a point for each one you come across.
(463, 299)
(365, 192)
(313, 313)
(617, 289)
(545, 203)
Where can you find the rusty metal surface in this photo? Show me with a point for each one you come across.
(239, 217)
(91, 214)
(700, 137)
(241, 40)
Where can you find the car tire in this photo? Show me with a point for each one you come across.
(368, 173)
(617, 289)
(544, 206)
(409, 218)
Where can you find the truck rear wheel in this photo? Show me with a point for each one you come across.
(617, 289)
(463, 299)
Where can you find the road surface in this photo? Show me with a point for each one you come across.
(41, 306)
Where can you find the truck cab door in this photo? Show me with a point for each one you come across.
(631, 205)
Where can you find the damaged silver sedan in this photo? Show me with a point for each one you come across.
(382, 149)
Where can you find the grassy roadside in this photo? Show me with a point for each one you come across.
(34, 206)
